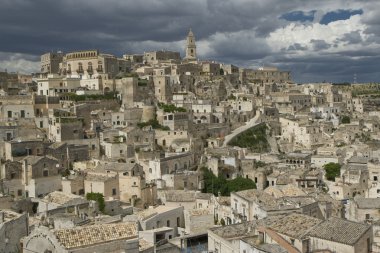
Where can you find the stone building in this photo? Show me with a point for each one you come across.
(159, 56)
(341, 236)
(65, 128)
(362, 209)
(267, 75)
(33, 176)
(158, 167)
(16, 107)
(198, 220)
(13, 227)
(160, 216)
(67, 154)
(17, 149)
(55, 85)
(104, 182)
(92, 64)
(50, 62)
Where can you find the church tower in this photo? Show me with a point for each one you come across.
(191, 48)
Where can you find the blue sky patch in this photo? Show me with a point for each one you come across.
(339, 15)
(299, 16)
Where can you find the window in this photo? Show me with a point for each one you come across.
(19, 192)
(9, 114)
(22, 114)
(113, 191)
(168, 223)
(178, 222)
(46, 173)
(375, 178)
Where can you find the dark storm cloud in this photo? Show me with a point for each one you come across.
(232, 31)
(296, 47)
(320, 45)
(352, 37)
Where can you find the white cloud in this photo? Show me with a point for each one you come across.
(332, 33)
(16, 62)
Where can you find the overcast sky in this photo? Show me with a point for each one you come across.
(318, 40)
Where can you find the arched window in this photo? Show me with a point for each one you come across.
(90, 65)
(100, 66)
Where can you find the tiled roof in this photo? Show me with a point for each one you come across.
(150, 212)
(63, 198)
(144, 245)
(368, 203)
(264, 200)
(339, 230)
(180, 196)
(294, 225)
(90, 235)
(235, 230)
(199, 212)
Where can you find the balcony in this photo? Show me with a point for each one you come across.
(90, 70)
(79, 71)
(99, 70)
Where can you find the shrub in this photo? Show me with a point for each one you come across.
(214, 184)
(98, 197)
(171, 108)
(154, 123)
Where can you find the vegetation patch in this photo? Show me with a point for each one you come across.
(332, 171)
(154, 123)
(346, 119)
(98, 197)
(171, 108)
(214, 184)
(253, 139)
(142, 82)
(76, 98)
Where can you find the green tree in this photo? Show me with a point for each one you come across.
(332, 171)
(346, 119)
(221, 72)
(222, 222)
(98, 197)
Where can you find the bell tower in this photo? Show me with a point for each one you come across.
(191, 48)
